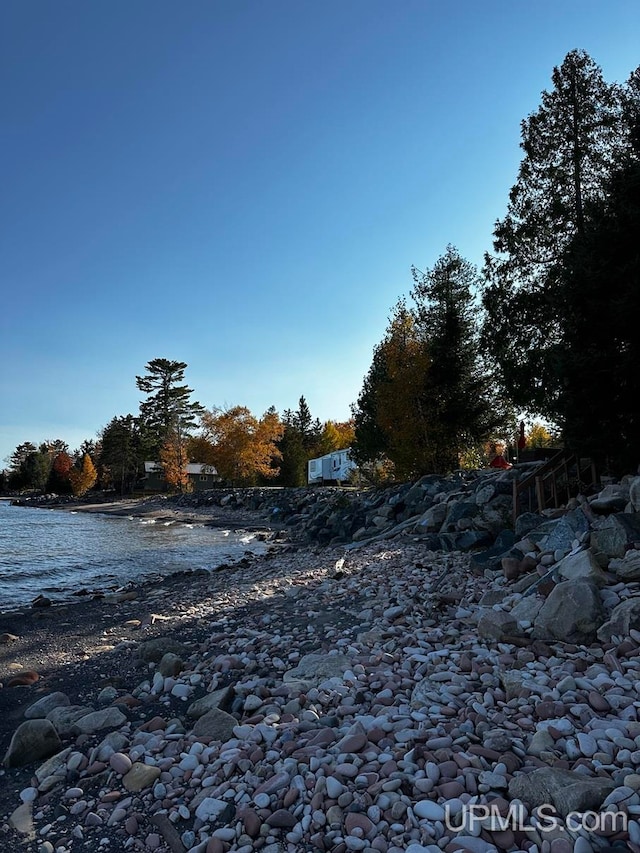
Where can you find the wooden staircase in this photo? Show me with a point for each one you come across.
(562, 477)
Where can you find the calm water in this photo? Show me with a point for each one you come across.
(56, 553)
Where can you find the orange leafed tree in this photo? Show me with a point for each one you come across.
(243, 447)
(85, 477)
(174, 460)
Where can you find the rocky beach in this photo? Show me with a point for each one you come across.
(408, 674)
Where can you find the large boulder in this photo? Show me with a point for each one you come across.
(613, 498)
(216, 725)
(615, 534)
(496, 625)
(573, 525)
(107, 718)
(432, 519)
(220, 699)
(581, 566)
(624, 616)
(567, 791)
(31, 741)
(456, 511)
(626, 568)
(152, 651)
(492, 558)
(634, 494)
(572, 613)
(315, 668)
(43, 706)
(64, 717)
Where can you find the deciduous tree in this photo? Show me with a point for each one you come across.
(59, 480)
(428, 397)
(243, 447)
(174, 460)
(84, 478)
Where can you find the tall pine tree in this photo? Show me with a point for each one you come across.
(168, 411)
(570, 143)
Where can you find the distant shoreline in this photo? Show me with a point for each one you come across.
(161, 508)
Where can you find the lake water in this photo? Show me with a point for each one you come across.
(56, 553)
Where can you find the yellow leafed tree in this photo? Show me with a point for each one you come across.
(400, 398)
(539, 436)
(84, 478)
(335, 435)
(243, 447)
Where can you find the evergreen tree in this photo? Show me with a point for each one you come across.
(462, 401)
(599, 317)
(168, 409)
(16, 462)
(428, 397)
(34, 471)
(121, 455)
(570, 145)
(299, 443)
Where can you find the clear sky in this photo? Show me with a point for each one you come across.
(244, 186)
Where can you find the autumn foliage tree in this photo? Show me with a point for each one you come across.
(174, 460)
(242, 447)
(428, 397)
(335, 435)
(59, 480)
(84, 478)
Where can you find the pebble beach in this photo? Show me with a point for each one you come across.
(317, 699)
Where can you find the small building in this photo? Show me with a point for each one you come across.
(201, 476)
(334, 467)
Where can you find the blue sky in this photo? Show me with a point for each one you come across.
(244, 186)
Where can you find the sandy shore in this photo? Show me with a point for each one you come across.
(163, 509)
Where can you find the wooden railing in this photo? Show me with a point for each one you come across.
(562, 477)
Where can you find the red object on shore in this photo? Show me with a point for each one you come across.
(522, 441)
(499, 462)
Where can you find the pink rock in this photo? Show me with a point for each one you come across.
(353, 743)
(120, 762)
(282, 819)
(276, 783)
(598, 702)
(449, 790)
(252, 822)
(355, 820)
(290, 797)
(131, 825)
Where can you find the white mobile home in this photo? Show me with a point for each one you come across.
(332, 468)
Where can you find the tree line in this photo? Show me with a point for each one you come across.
(172, 430)
(546, 328)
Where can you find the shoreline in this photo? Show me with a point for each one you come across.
(154, 510)
(156, 507)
